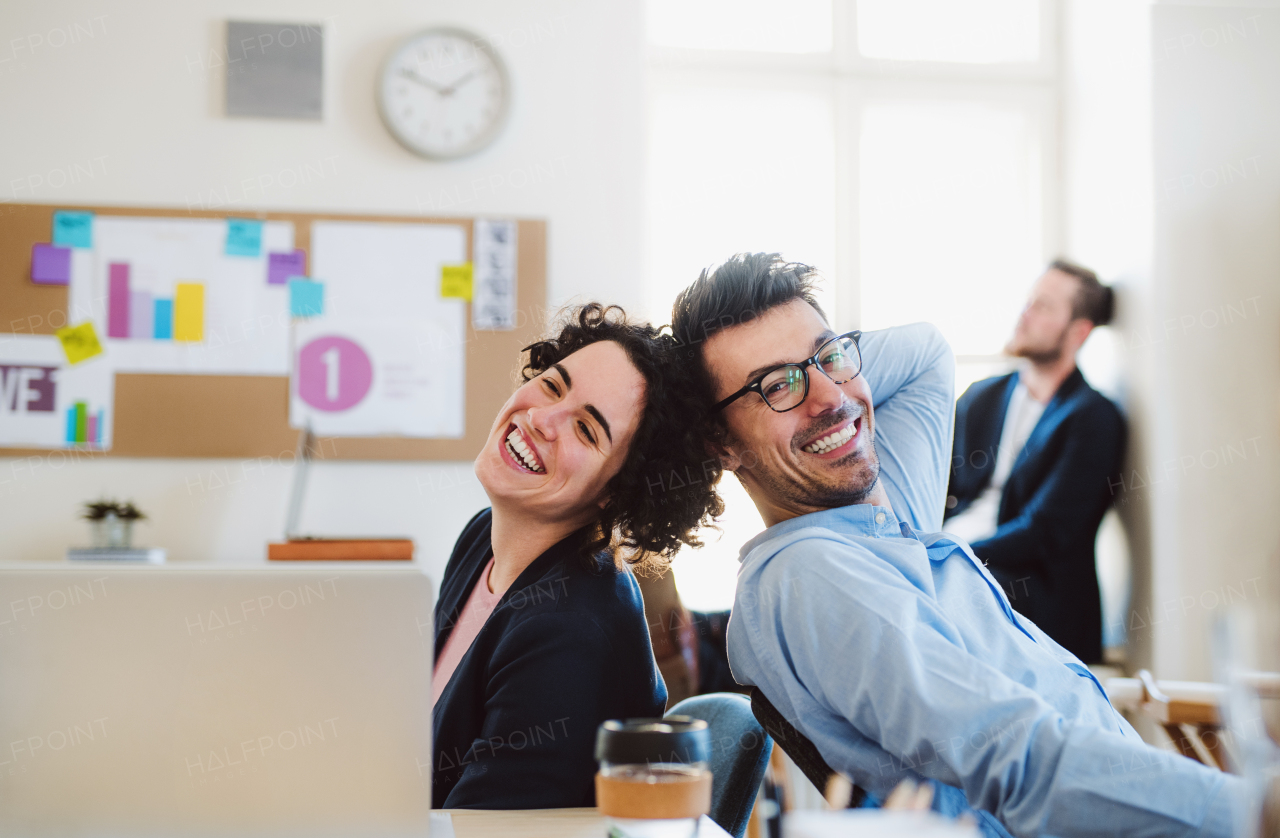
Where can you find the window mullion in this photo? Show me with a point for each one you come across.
(844, 32)
(847, 275)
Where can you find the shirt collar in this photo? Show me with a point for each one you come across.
(858, 519)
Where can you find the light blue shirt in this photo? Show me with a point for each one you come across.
(899, 656)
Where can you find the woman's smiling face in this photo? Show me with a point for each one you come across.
(562, 436)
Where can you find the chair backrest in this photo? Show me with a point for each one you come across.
(739, 753)
(797, 746)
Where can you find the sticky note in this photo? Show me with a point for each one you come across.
(80, 343)
(50, 264)
(73, 229)
(455, 281)
(244, 237)
(281, 266)
(188, 312)
(306, 297)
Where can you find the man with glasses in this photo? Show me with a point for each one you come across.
(885, 642)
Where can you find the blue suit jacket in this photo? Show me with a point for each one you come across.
(566, 648)
(1061, 485)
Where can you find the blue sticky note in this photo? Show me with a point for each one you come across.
(244, 237)
(73, 229)
(306, 297)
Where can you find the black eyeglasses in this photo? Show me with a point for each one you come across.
(786, 387)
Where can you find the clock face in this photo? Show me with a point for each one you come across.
(444, 93)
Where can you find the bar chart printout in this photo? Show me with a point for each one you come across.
(142, 314)
(139, 314)
(164, 320)
(83, 427)
(188, 312)
(118, 301)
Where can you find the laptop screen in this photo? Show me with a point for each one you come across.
(213, 701)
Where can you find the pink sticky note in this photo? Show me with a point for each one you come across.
(50, 264)
(281, 266)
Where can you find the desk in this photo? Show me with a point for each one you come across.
(544, 823)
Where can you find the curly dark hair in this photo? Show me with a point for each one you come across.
(664, 490)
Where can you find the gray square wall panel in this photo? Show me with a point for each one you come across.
(275, 70)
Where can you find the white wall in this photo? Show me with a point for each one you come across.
(1215, 323)
(1173, 186)
(1107, 223)
(132, 93)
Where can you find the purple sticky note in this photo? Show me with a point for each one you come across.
(50, 264)
(281, 266)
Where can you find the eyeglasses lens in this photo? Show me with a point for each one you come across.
(840, 360)
(784, 387)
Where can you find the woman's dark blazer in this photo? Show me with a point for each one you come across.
(565, 649)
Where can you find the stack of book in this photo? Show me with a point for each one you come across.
(150, 555)
(341, 550)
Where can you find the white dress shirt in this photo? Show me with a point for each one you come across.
(979, 520)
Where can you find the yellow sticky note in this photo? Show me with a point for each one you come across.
(188, 312)
(455, 281)
(79, 342)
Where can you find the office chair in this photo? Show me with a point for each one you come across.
(797, 746)
(739, 753)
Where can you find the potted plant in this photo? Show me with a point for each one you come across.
(112, 523)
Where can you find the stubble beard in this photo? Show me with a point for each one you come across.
(1050, 355)
(816, 492)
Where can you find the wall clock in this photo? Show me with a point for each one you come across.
(444, 93)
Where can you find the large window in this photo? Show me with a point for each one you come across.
(954, 31)
(907, 148)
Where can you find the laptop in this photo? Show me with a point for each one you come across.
(215, 701)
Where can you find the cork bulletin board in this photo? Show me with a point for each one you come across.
(242, 416)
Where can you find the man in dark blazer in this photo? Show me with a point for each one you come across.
(1036, 460)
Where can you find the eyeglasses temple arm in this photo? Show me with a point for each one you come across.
(723, 403)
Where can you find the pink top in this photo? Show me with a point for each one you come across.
(480, 605)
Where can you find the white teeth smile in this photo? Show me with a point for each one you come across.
(520, 452)
(832, 441)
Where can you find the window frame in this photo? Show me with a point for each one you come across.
(852, 81)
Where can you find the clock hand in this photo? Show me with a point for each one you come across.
(449, 91)
(412, 76)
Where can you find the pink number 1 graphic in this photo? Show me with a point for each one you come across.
(333, 374)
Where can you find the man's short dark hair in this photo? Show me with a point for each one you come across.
(741, 289)
(1094, 301)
